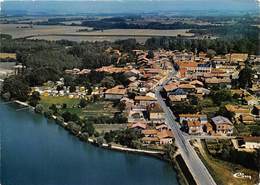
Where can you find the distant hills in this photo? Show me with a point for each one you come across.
(108, 7)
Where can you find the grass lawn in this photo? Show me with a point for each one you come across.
(108, 127)
(47, 101)
(94, 109)
(223, 171)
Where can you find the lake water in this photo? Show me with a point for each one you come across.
(36, 151)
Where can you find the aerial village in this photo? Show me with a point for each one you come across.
(196, 79)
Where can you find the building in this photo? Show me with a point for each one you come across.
(156, 113)
(195, 127)
(194, 117)
(251, 142)
(223, 125)
(165, 137)
(162, 127)
(237, 110)
(145, 100)
(236, 57)
(150, 132)
(135, 116)
(139, 125)
(115, 93)
(251, 100)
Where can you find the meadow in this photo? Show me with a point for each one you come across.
(48, 32)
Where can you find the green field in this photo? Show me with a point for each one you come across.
(93, 109)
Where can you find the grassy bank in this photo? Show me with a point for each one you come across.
(223, 171)
(184, 175)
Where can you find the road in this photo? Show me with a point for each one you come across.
(192, 160)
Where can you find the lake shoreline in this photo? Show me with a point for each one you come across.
(159, 155)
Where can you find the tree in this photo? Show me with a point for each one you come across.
(184, 126)
(206, 102)
(170, 150)
(108, 82)
(221, 96)
(34, 98)
(108, 137)
(245, 77)
(89, 128)
(64, 105)
(17, 87)
(223, 112)
(59, 88)
(67, 116)
(39, 108)
(211, 53)
(72, 88)
(54, 108)
(150, 54)
(83, 103)
(6, 96)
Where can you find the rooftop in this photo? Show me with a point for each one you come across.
(116, 90)
(150, 132)
(220, 120)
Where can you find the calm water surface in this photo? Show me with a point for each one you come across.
(35, 151)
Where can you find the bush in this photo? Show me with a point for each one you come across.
(48, 114)
(39, 108)
(59, 120)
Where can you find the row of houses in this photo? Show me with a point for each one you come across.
(197, 77)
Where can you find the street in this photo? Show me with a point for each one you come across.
(192, 160)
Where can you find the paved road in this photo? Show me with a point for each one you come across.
(192, 160)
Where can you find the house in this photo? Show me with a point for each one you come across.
(237, 110)
(195, 122)
(139, 125)
(135, 116)
(165, 137)
(219, 60)
(127, 102)
(179, 92)
(150, 140)
(187, 87)
(223, 125)
(115, 93)
(150, 132)
(177, 98)
(170, 87)
(194, 117)
(162, 127)
(197, 83)
(156, 113)
(247, 118)
(195, 127)
(236, 57)
(224, 82)
(202, 91)
(251, 142)
(251, 100)
(145, 100)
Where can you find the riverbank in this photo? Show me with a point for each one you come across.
(176, 164)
